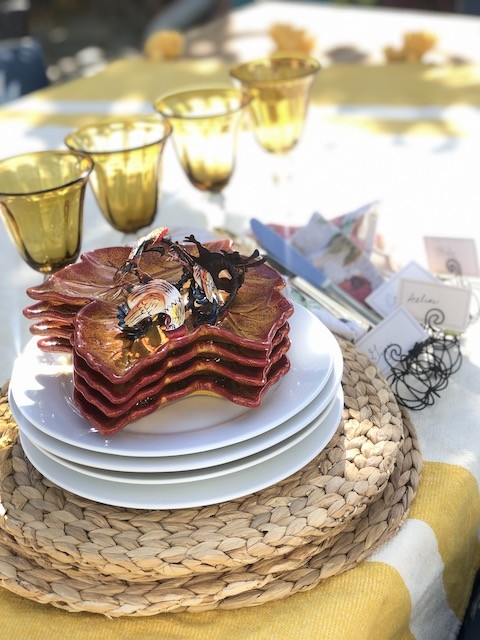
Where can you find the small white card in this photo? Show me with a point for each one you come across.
(421, 297)
(399, 328)
(384, 298)
(442, 252)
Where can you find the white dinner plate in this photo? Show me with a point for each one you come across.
(41, 386)
(327, 421)
(199, 460)
(182, 494)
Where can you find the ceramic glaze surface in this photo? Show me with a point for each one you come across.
(161, 321)
(42, 387)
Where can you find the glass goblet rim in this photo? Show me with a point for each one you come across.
(244, 101)
(83, 175)
(167, 130)
(312, 66)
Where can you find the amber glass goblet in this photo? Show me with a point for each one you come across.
(280, 89)
(205, 125)
(127, 158)
(41, 204)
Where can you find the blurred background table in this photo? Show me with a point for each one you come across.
(406, 135)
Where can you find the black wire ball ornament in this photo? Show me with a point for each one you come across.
(418, 377)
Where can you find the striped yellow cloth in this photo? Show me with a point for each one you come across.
(407, 98)
(418, 585)
(373, 601)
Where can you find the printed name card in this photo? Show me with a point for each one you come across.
(452, 255)
(399, 328)
(421, 297)
(384, 298)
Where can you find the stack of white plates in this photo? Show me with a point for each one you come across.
(197, 451)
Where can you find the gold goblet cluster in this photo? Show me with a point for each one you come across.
(41, 195)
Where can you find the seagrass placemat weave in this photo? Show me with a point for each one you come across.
(80, 555)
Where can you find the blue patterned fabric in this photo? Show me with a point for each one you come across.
(22, 68)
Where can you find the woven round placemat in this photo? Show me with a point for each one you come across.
(85, 538)
(263, 582)
(82, 555)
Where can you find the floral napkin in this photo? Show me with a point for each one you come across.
(342, 252)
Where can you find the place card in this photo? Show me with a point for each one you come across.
(384, 298)
(420, 297)
(399, 328)
(444, 251)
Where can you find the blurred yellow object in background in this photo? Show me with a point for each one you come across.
(415, 46)
(288, 38)
(164, 45)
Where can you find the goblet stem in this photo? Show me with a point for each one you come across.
(285, 198)
(282, 171)
(217, 200)
(213, 205)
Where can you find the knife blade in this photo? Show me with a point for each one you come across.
(294, 262)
